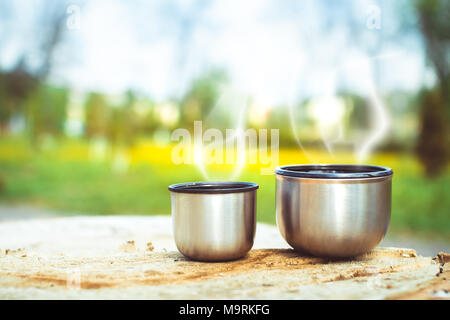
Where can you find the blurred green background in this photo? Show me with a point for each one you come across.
(94, 137)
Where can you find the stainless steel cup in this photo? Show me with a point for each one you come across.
(214, 221)
(333, 210)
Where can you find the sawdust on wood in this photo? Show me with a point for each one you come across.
(111, 258)
(150, 246)
(436, 289)
(166, 268)
(128, 246)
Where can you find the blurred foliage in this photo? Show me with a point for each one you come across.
(201, 97)
(359, 117)
(64, 178)
(46, 111)
(96, 115)
(123, 124)
(121, 175)
(15, 87)
(25, 93)
(433, 143)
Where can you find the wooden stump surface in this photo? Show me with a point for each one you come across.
(127, 257)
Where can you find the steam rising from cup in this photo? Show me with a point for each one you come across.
(328, 109)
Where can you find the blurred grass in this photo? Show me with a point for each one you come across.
(65, 176)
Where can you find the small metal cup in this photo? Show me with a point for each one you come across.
(214, 221)
(333, 210)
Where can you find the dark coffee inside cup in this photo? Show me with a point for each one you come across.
(337, 171)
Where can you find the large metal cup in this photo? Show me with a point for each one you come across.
(214, 221)
(333, 210)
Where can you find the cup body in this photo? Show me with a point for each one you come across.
(214, 221)
(333, 210)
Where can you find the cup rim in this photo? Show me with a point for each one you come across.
(333, 171)
(213, 187)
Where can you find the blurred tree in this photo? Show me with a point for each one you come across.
(52, 23)
(123, 124)
(18, 85)
(130, 119)
(116, 126)
(359, 117)
(434, 18)
(5, 107)
(97, 116)
(201, 97)
(277, 119)
(433, 143)
(183, 18)
(46, 111)
(148, 123)
(15, 87)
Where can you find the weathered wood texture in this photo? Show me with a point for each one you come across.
(135, 258)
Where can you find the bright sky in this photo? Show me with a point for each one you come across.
(272, 50)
